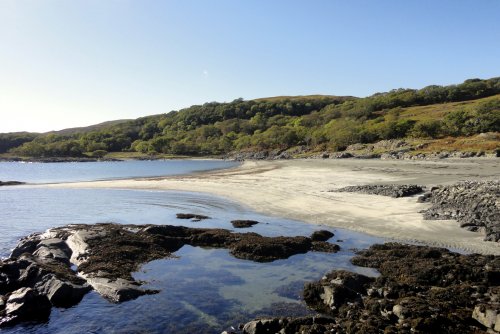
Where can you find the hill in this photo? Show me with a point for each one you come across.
(90, 128)
(433, 114)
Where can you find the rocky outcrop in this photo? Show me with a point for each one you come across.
(392, 190)
(474, 204)
(243, 223)
(420, 290)
(39, 274)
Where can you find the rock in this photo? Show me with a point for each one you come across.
(334, 290)
(488, 316)
(192, 216)
(107, 254)
(25, 304)
(322, 235)
(392, 190)
(26, 245)
(11, 183)
(266, 249)
(342, 155)
(420, 290)
(243, 223)
(61, 293)
(474, 204)
(118, 290)
(262, 326)
(53, 248)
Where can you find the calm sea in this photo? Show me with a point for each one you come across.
(203, 290)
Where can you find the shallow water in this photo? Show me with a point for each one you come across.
(202, 290)
(38, 172)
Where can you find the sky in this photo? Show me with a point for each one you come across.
(68, 63)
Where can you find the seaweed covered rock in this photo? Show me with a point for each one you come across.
(40, 272)
(391, 190)
(474, 204)
(420, 290)
(321, 235)
(245, 223)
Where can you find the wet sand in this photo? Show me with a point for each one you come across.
(300, 189)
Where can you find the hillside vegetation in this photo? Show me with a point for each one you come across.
(316, 122)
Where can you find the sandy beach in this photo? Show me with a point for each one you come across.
(301, 190)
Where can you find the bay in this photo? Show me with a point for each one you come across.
(202, 290)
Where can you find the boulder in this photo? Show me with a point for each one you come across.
(488, 316)
(25, 304)
(61, 293)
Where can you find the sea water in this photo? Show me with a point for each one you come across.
(201, 290)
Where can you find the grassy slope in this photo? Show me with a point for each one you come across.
(438, 111)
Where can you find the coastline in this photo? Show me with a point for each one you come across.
(299, 190)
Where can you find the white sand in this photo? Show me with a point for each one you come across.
(298, 189)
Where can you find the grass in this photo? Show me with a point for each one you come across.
(438, 111)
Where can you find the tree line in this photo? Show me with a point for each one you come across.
(325, 122)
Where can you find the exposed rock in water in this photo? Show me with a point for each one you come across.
(192, 216)
(243, 223)
(420, 290)
(392, 190)
(11, 183)
(474, 204)
(107, 254)
(322, 235)
(25, 304)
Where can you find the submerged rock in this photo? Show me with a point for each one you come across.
(392, 190)
(106, 255)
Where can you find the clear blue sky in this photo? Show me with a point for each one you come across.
(66, 63)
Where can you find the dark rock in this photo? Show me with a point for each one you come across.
(25, 304)
(26, 245)
(420, 290)
(243, 223)
(192, 216)
(342, 155)
(11, 183)
(61, 293)
(392, 190)
(265, 249)
(322, 235)
(324, 247)
(474, 204)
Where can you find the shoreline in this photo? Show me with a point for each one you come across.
(299, 190)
